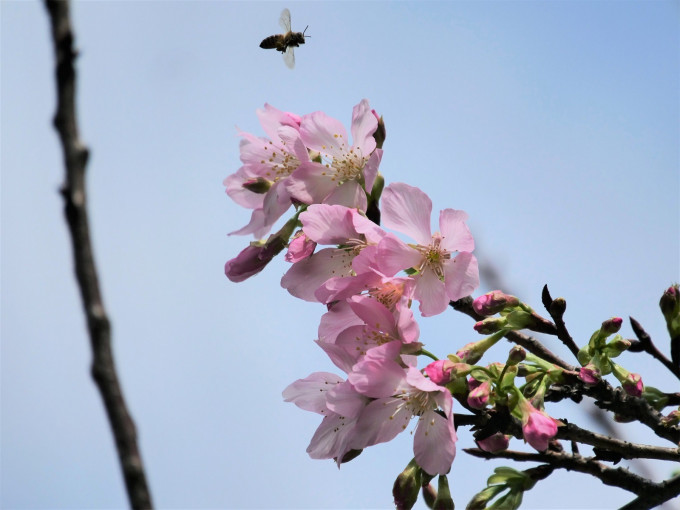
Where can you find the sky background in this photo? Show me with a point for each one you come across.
(553, 124)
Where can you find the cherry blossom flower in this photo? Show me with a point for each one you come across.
(267, 164)
(538, 428)
(400, 394)
(347, 172)
(441, 276)
(338, 225)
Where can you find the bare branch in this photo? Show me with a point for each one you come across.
(556, 309)
(73, 192)
(645, 344)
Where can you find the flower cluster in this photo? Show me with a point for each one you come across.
(368, 277)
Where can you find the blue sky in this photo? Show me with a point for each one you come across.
(553, 124)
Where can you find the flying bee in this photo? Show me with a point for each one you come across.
(287, 41)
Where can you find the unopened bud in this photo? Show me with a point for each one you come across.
(673, 418)
(478, 397)
(631, 383)
(443, 500)
(493, 302)
(489, 326)
(407, 486)
(558, 306)
(517, 355)
(494, 443)
(670, 307)
(380, 133)
(611, 326)
(589, 374)
(299, 248)
(616, 346)
(655, 397)
(258, 185)
(429, 495)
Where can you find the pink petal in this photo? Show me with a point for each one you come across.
(271, 119)
(371, 168)
(328, 224)
(461, 276)
(308, 184)
(349, 194)
(343, 399)
(336, 320)
(324, 134)
(455, 234)
(377, 376)
(372, 232)
(395, 255)
(407, 209)
(343, 287)
(310, 393)
(434, 444)
(338, 355)
(374, 314)
(305, 277)
(239, 194)
(381, 421)
(431, 293)
(332, 438)
(364, 124)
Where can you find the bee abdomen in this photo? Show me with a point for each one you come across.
(270, 42)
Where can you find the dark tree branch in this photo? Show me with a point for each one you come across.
(667, 490)
(617, 477)
(73, 192)
(622, 449)
(556, 309)
(646, 344)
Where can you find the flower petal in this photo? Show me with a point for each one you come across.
(434, 443)
(461, 276)
(395, 255)
(310, 393)
(328, 224)
(324, 134)
(431, 293)
(364, 124)
(456, 235)
(306, 276)
(407, 209)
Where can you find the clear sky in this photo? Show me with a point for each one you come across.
(553, 124)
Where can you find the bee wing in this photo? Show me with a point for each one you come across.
(284, 20)
(289, 57)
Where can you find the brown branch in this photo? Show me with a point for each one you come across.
(73, 192)
(645, 344)
(622, 449)
(617, 477)
(556, 309)
(667, 490)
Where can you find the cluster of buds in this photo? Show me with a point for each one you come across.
(514, 314)
(596, 358)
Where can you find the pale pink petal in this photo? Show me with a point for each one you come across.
(364, 124)
(336, 320)
(305, 277)
(381, 421)
(377, 376)
(395, 255)
(407, 209)
(310, 393)
(371, 168)
(255, 225)
(374, 314)
(328, 224)
(408, 328)
(271, 119)
(455, 234)
(461, 276)
(431, 293)
(349, 194)
(356, 342)
(343, 287)
(344, 400)
(239, 194)
(434, 443)
(366, 260)
(338, 355)
(299, 248)
(308, 185)
(370, 230)
(324, 134)
(292, 141)
(332, 438)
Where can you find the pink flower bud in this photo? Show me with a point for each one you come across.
(611, 326)
(493, 302)
(632, 385)
(439, 371)
(300, 248)
(249, 262)
(538, 428)
(495, 443)
(589, 374)
(489, 326)
(478, 398)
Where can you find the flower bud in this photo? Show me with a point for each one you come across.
(249, 262)
(631, 383)
(611, 326)
(443, 500)
(655, 397)
(558, 306)
(538, 428)
(439, 371)
(589, 374)
(407, 486)
(670, 307)
(489, 326)
(493, 302)
(616, 346)
(258, 185)
(300, 247)
(494, 443)
(673, 418)
(380, 133)
(516, 356)
(429, 495)
(478, 397)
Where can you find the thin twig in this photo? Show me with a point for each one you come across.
(556, 309)
(648, 346)
(73, 192)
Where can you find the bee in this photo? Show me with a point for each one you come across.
(287, 41)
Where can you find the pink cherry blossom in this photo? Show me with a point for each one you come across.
(478, 398)
(441, 276)
(400, 394)
(267, 160)
(538, 428)
(356, 236)
(299, 248)
(252, 259)
(338, 179)
(439, 371)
